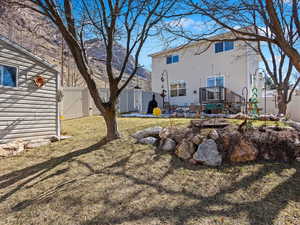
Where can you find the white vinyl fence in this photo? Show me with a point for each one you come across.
(293, 111)
(77, 102)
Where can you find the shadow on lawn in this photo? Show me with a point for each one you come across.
(263, 211)
(35, 171)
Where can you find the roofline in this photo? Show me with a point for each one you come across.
(28, 53)
(190, 44)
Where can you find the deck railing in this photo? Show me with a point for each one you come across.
(218, 95)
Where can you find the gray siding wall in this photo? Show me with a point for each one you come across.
(27, 112)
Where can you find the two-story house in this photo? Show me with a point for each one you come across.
(186, 69)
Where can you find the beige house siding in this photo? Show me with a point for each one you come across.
(27, 112)
(235, 65)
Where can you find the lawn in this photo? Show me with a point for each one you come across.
(80, 181)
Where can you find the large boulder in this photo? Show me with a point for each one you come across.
(148, 141)
(148, 132)
(167, 145)
(176, 133)
(185, 149)
(243, 151)
(214, 134)
(276, 143)
(197, 139)
(208, 154)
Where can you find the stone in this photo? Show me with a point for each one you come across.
(185, 150)
(148, 141)
(148, 132)
(213, 134)
(197, 139)
(167, 145)
(244, 151)
(193, 161)
(60, 138)
(12, 148)
(4, 152)
(176, 133)
(166, 132)
(205, 132)
(208, 153)
(269, 117)
(293, 124)
(37, 143)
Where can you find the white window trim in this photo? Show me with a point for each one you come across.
(215, 76)
(177, 89)
(17, 75)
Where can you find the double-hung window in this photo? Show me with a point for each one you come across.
(8, 76)
(178, 89)
(172, 59)
(224, 46)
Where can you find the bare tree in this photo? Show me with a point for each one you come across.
(281, 70)
(271, 23)
(128, 21)
(276, 21)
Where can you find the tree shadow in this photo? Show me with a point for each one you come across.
(31, 173)
(262, 211)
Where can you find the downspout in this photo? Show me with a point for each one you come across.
(58, 108)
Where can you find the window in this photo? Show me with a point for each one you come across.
(220, 81)
(8, 76)
(169, 59)
(211, 82)
(224, 46)
(228, 45)
(219, 47)
(178, 89)
(215, 81)
(172, 59)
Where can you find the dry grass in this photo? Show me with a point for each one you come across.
(81, 182)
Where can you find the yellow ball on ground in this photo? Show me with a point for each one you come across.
(156, 111)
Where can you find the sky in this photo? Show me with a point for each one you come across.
(157, 44)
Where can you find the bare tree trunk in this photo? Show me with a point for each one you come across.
(282, 103)
(110, 118)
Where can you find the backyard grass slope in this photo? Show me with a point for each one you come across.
(81, 181)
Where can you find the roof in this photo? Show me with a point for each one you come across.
(28, 53)
(192, 43)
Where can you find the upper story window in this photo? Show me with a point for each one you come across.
(178, 89)
(172, 59)
(8, 76)
(215, 81)
(224, 46)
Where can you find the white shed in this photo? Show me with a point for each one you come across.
(28, 95)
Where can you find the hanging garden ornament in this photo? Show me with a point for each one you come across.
(163, 93)
(39, 81)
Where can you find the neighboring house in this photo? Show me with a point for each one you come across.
(189, 68)
(27, 111)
